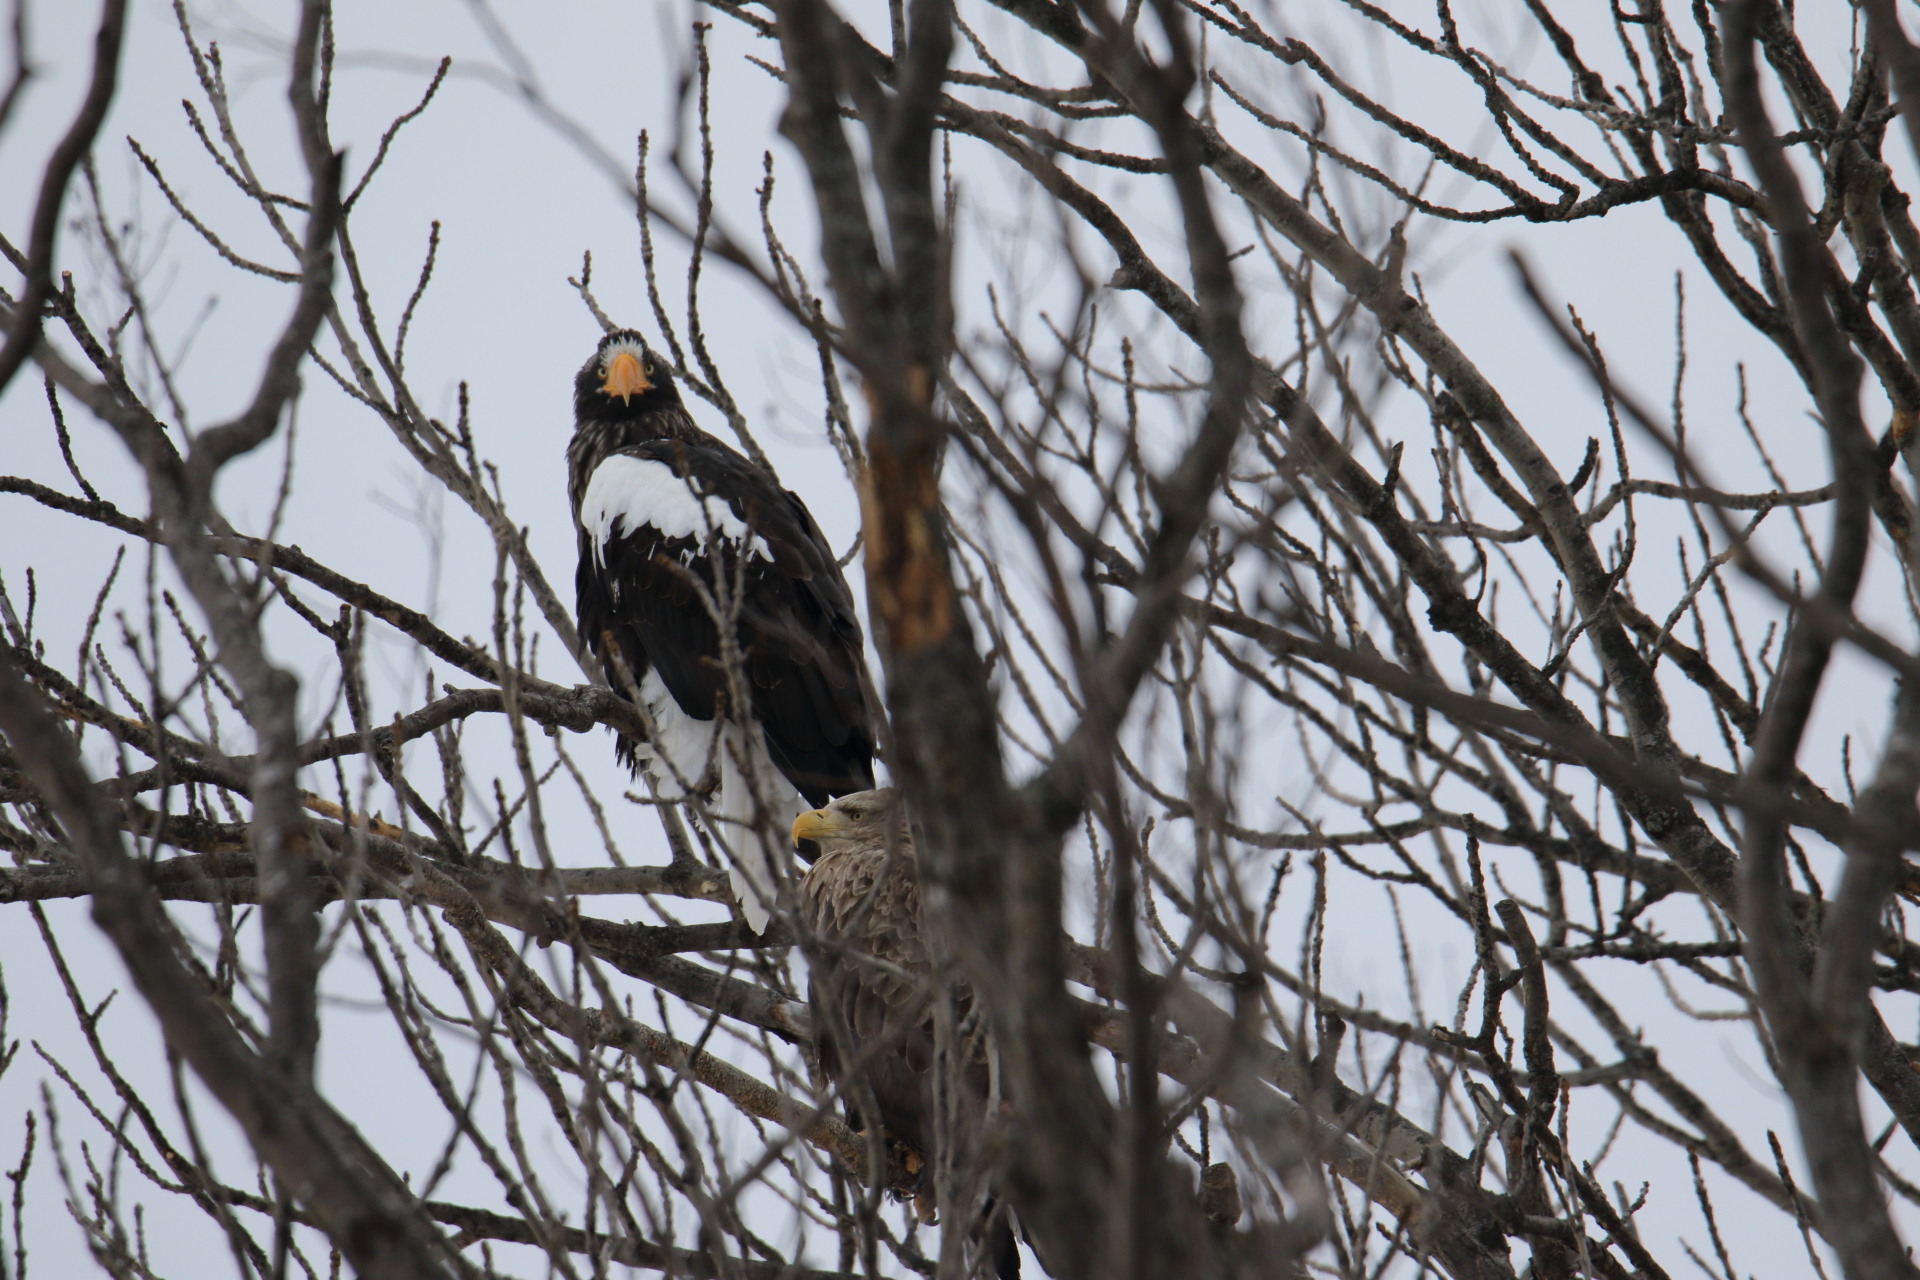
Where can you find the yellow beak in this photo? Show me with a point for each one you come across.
(625, 377)
(817, 824)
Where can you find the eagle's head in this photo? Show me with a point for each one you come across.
(623, 381)
(863, 820)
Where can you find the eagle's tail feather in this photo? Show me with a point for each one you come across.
(747, 772)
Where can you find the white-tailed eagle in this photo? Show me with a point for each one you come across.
(871, 990)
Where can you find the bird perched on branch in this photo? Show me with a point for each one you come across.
(871, 990)
(707, 590)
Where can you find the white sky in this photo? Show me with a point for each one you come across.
(517, 207)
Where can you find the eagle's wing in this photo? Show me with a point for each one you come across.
(655, 520)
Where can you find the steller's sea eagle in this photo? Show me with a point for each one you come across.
(871, 989)
(677, 533)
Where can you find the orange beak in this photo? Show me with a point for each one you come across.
(625, 377)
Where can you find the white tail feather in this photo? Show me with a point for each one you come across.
(747, 772)
(681, 751)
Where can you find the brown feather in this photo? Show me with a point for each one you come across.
(861, 899)
(872, 987)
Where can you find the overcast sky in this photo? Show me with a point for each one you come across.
(518, 204)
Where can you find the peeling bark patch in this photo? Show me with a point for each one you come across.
(908, 586)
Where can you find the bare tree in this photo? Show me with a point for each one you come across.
(1189, 667)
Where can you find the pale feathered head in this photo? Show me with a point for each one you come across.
(862, 820)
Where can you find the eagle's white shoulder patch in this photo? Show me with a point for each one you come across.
(627, 492)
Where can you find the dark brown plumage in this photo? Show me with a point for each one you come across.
(798, 635)
(679, 534)
(860, 900)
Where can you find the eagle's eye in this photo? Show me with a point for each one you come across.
(856, 814)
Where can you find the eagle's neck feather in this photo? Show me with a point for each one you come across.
(594, 438)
